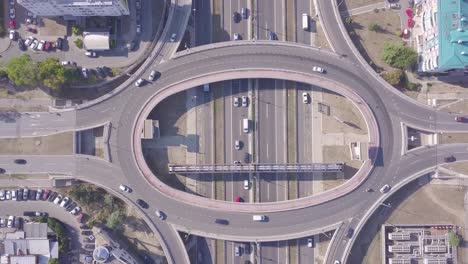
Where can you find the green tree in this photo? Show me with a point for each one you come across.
(374, 27)
(115, 219)
(79, 43)
(3, 73)
(399, 56)
(349, 20)
(76, 30)
(53, 261)
(54, 75)
(22, 70)
(109, 200)
(394, 77)
(454, 239)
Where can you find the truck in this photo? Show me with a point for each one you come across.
(245, 125)
(305, 21)
(258, 218)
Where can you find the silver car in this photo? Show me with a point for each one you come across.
(244, 101)
(139, 82)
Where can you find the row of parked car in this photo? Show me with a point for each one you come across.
(41, 45)
(41, 195)
(11, 221)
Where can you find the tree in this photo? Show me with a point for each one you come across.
(399, 56)
(115, 219)
(79, 43)
(374, 27)
(454, 239)
(76, 30)
(54, 75)
(349, 20)
(109, 200)
(53, 261)
(22, 70)
(394, 77)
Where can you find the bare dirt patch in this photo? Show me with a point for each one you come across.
(332, 154)
(459, 107)
(172, 115)
(322, 245)
(350, 4)
(341, 109)
(58, 144)
(23, 95)
(447, 138)
(460, 167)
(320, 38)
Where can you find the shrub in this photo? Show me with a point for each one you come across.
(76, 30)
(394, 77)
(22, 70)
(399, 56)
(454, 239)
(374, 27)
(79, 43)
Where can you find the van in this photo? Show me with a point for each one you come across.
(206, 87)
(245, 125)
(259, 218)
(305, 21)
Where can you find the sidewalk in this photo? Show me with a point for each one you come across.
(34, 102)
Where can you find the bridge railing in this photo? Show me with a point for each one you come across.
(259, 168)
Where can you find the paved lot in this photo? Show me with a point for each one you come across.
(58, 144)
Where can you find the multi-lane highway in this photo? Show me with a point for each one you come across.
(223, 62)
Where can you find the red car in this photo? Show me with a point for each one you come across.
(239, 200)
(410, 22)
(461, 119)
(409, 12)
(32, 30)
(12, 24)
(45, 195)
(47, 46)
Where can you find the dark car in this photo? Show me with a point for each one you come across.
(19, 222)
(20, 161)
(70, 206)
(350, 232)
(25, 194)
(108, 71)
(271, 35)
(19, 195)
(52, 197)
(100, 73)
(236, 17)
(2, 170)
(32, 30)
(21, 44)
(247, 248)
(222, 221)
(32, 195)
(142, 204)
(59, 43)
(461, 119)
(450, 159)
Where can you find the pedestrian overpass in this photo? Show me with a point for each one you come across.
(256, 168)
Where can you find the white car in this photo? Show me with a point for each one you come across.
(124, 188)
(41, 45)
(152, 75)
(84, 72)
(244, 101)
(75, 210)
(305, 98)
(395, 6)
(138, 29)
(318, 69)
(246, 184)
(13, 195)
(237, 144)
(2, 222)
(139, 82)
(12, 35)
(173, 36)
(2, 195)
(91, 54)
(58, 199)
(11, 220)
(12, 13)
(385, 188)
(309, 243)
(8, 195)
(236, 101)
(64, 63)
(65, 202)
(29, 40)
(236, 36)
(34, 44)
(160, 214)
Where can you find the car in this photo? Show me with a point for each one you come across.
(12, 2)
(19, 195)
(32, 195)
(410, 22)
(100, 72)
(75, 210)
(58, 199)
(32, 30)
(450, 159)
(34, 213)
(84, 72)
(25, 194)
(14, 196)
(18, 222)
(409, 12)
(385, 188)
(309, 242)
(34, 44)
(65, 201)
(70, 206)
(405, 33)
(2, 195)
(12, 24)
(237, 251)
(2, 171)
(246, 184)
(173, 37)
(244, 13)
(318, 69)
(236, 17)
(132, 45)
(153, 75)
(91, 54)
(138, 18)
(368, 190)
(336, 262)
(139, 82)
(2, 222)
(124, 188)
(237, 36)
(305, 98)
(138, 4)
(52, 197)
(237, 162)
(221, 221)
(12, 35)
(245, 101)
(8, 195)
(11, 220)
(12, 13)
(160, 214)
(41, 44)
(350, 232)
(59, 43)
(461, 119)
(246, 157)
(238, 199)
(142, 204)
(21, 44)
(138, 29)
(47, 46)
(395, 6)
(237, 144)
(28, 41)
(20, 161)
(271, 35)
(65, 63)
(88, 259)
(236, 101)
(108, 71)
(39, 194)
(45, 195)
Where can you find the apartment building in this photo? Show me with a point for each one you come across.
(51, 8)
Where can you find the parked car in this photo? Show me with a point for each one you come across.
(12, 35)
(160, 214)
(47, 46)
(75, 210)
(245, 101)
(21, 44)
(461, 119)
(34, 44)
(65, 202)
(138, 29)
(153, 75)
(7, 195)
(244, 13)
(405, 33)
(59, 43)
(139, 82)
(25, 194)
(19, 195)
(238, 199)
(39, 194)
(41, 44)
(19, 222)
(91, 54)
(124, 188)
(395, 6)
(14, 196)
(221, 221)
(45, 194)
(100, 72)
(236, 17)
(271, 35)
(58, 199)
(52, 197)
(32, 30)
(11, 220)
(12, 13)
(138, 4)
(2, 222)
(305, 98)
(12, 24)
(142, 204)
(84, 72)
(2, 195)
(236, 101)
(309, 242)
(173, 37)
(450, 159)
(32, 195)
(237, 144)
(246, 184)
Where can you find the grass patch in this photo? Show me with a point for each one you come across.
(293, 251)
(290, 21)
(291, 138)
(219, 251)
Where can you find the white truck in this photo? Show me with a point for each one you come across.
(245, 125)
(305, 21)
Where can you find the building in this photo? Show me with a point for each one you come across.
(97, 41)
(51, 8)
(441, 35)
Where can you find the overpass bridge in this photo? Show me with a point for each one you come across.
(256, 168)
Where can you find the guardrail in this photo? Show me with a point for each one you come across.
(258, 168)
